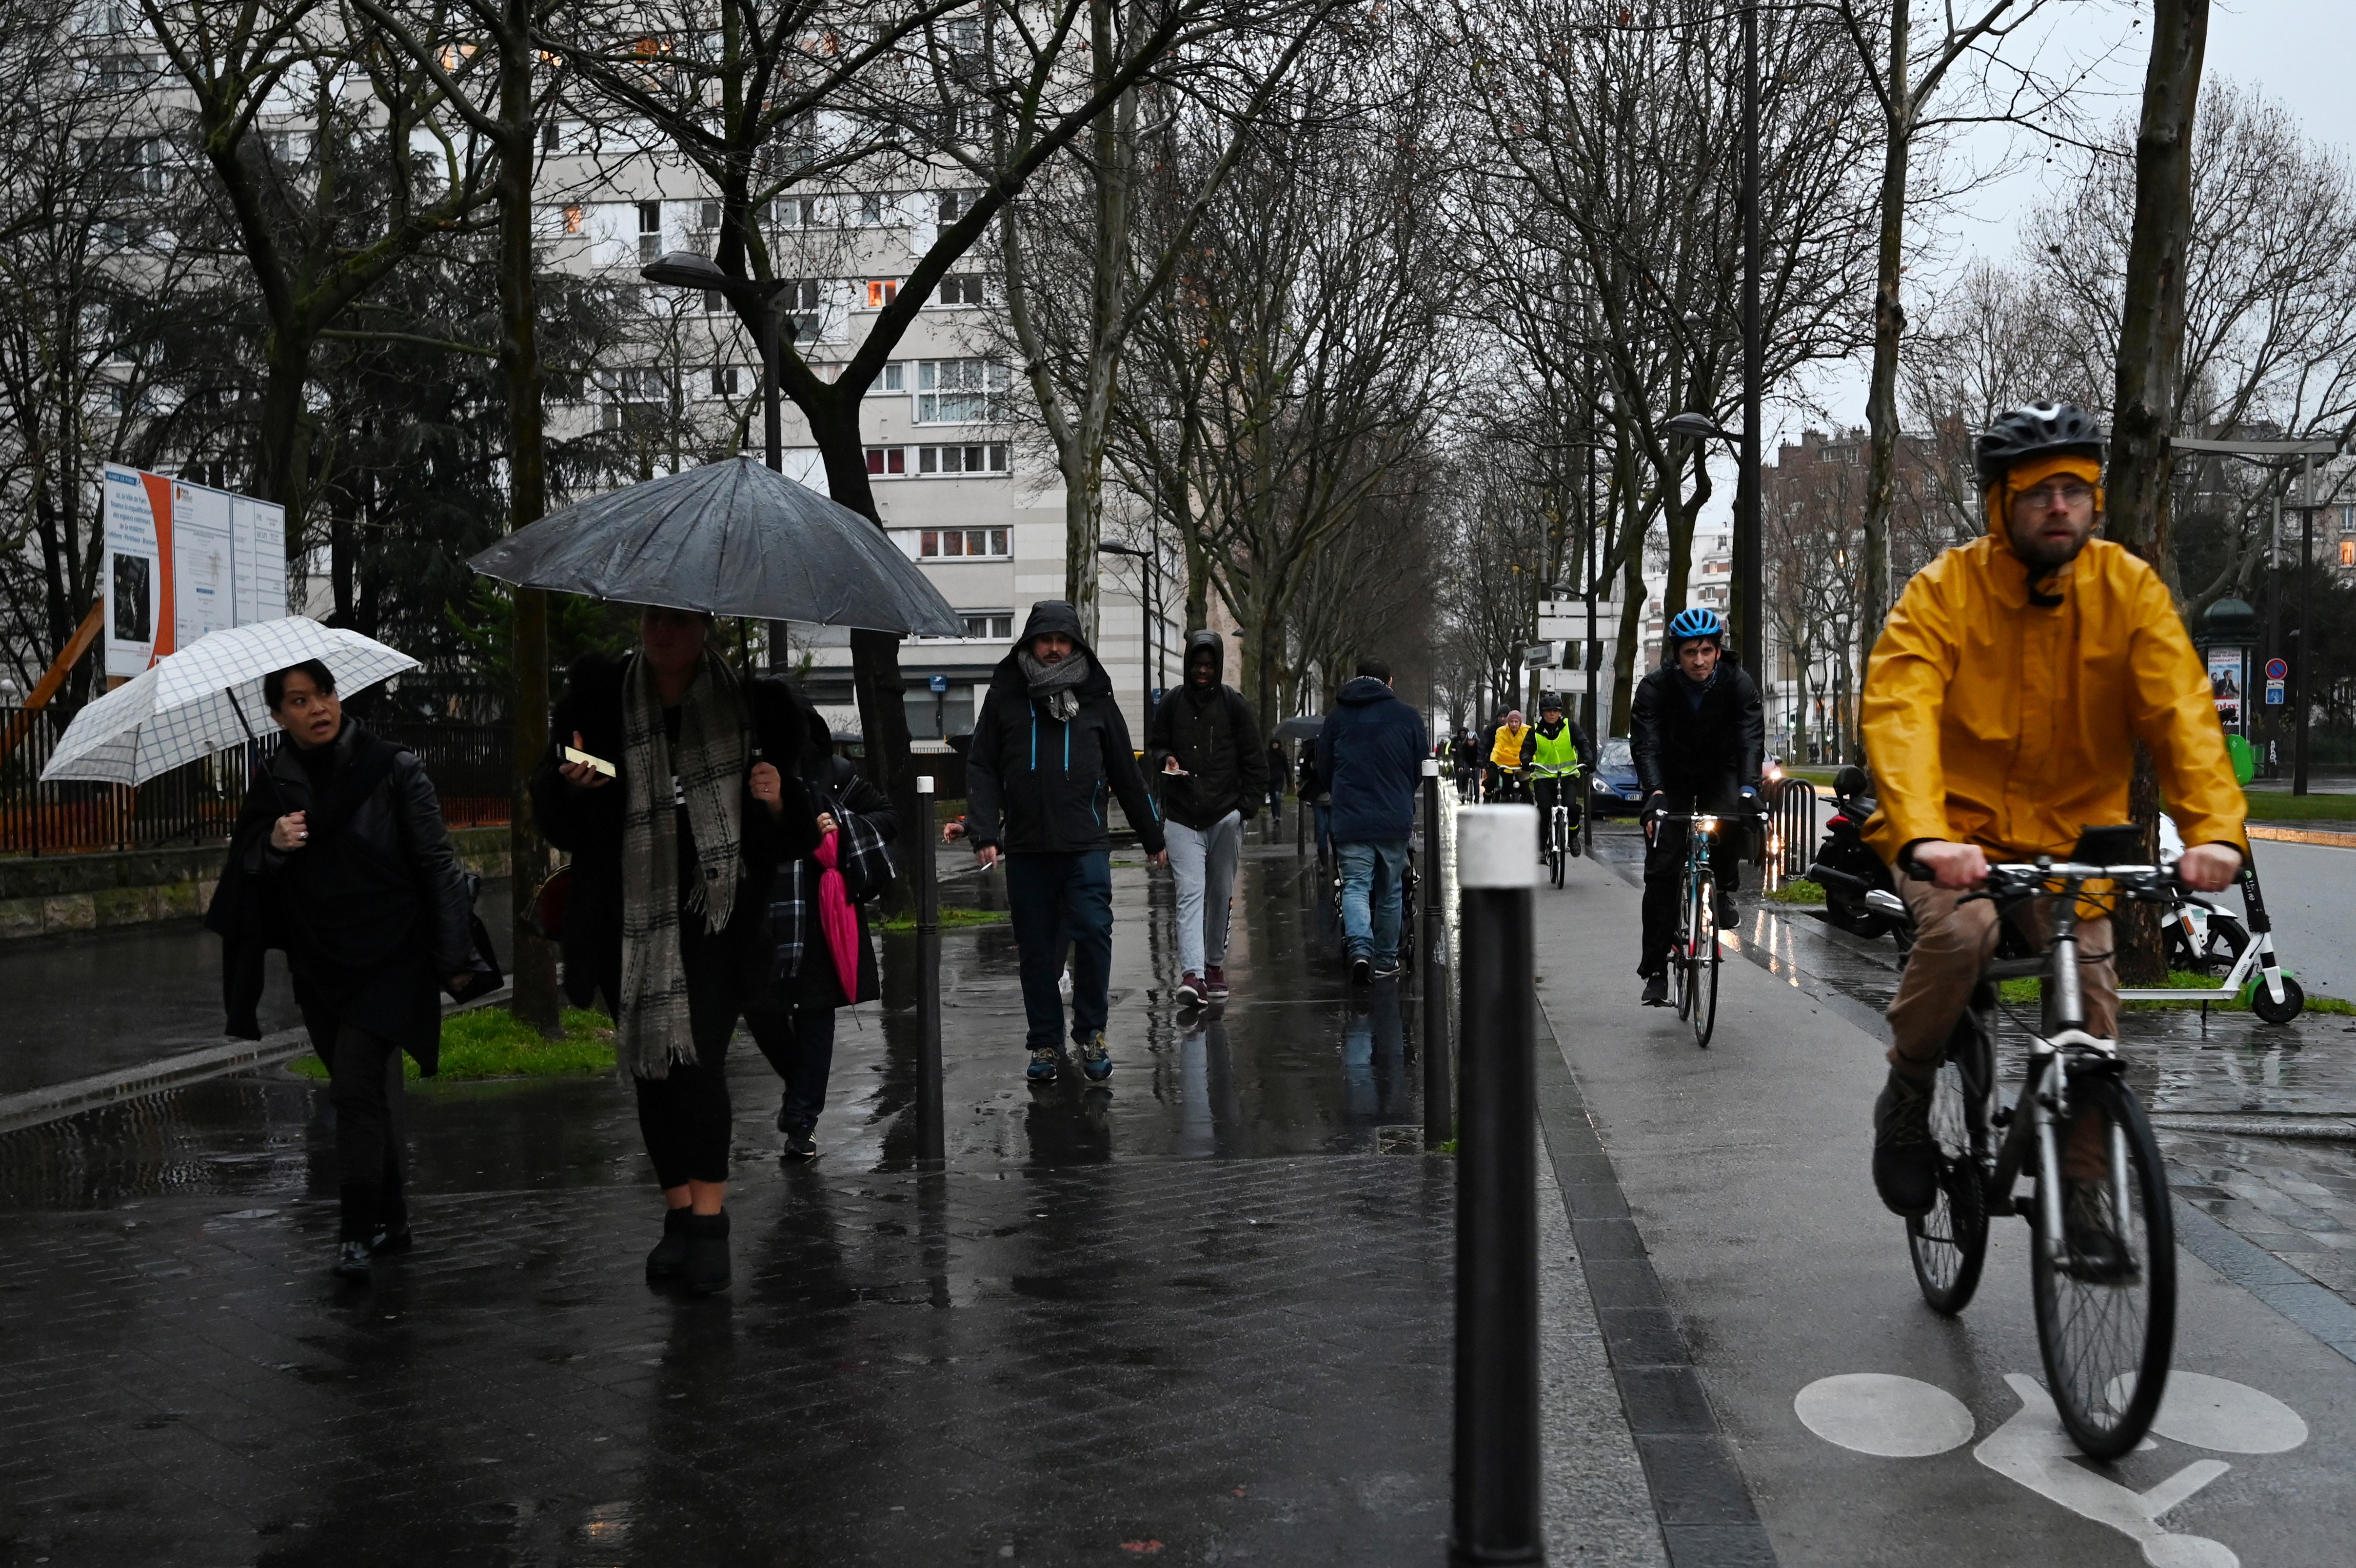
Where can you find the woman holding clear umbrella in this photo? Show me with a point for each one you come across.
(676, 830)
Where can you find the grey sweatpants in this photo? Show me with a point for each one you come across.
(1203, 861)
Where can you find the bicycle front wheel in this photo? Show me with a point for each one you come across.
(2106, 1287)
(1703, 959)
(1555, 849)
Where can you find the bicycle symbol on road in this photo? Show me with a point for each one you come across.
(1904, 1418)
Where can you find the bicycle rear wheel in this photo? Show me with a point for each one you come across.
(1702, 956)
(1949, 1244)
(2106, 1317)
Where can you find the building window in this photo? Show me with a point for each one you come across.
(989, 623)
(2347, 553)
(976, 459)
(723, 381)
(574, 215)
(882, 291)
(549, 136)
(955, 204)
(887, 462)
(649, 231)
(871, 208)
(965, 544)
(962, 288)
(958, 391)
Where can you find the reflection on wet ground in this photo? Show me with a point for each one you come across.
(1192, 1308)
(97, 1001)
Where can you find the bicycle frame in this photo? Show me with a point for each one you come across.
(2061, 1049)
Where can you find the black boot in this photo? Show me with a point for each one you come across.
(670, 1255)
(351, 1262)
(707, 1252)
(1905, 1160)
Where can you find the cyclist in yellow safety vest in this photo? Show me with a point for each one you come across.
(1508, 772)
(1557, 751)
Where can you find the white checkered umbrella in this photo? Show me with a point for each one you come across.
(208, 698)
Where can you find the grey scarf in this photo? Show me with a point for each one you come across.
(716, 747)
(1056, 684)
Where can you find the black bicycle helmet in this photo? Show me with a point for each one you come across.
(2036, 430)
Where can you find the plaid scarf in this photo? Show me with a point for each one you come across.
(866, 869)
(1056, 684)
(716, 747)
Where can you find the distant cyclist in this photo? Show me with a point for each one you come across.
(1507, 759)
(1558, 749)
(2001, 708)
(1697, 730)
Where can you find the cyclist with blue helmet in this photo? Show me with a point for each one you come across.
(1697, 731)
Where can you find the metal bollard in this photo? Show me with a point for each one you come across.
(931, 1132)
(1438, 1113)
(1496, 1481)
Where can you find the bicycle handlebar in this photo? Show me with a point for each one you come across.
(2024, 879)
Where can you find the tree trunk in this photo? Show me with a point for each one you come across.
(2151, 347)
(1632, 611)
(1889, 326)
(534, 999)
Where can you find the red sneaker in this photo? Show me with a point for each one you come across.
(1217, 978)
(1190, 989)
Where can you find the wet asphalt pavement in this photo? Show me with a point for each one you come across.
(1190, 1315)
(1199, 1315)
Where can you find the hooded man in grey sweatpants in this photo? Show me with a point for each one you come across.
(1204, 751)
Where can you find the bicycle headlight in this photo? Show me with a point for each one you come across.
(1704, 824)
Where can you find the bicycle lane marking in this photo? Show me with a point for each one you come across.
(1901, 1417)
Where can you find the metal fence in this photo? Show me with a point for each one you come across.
(198, 803)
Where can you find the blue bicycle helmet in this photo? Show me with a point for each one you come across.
(1698, 621)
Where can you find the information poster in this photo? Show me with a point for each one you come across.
(2227, 678)
(182, 561)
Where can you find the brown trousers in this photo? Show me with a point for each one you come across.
(1952, 944)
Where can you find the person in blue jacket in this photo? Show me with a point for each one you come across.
(1050, 751)
(1370, 757)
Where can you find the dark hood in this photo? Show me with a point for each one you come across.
(1199, 644)
(1361, 689)
(1053, 615)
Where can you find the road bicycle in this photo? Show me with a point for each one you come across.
(2103, 1252)
(1694, 950)
(1560, 831)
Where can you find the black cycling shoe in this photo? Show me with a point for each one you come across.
(1905, 1160)
(1728, 917)
(2097, 1254)
(1656, 990)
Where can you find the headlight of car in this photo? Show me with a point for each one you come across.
(1600, 785)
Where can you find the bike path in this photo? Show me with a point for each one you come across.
(1744, 1169)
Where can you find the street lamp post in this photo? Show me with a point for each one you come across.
(1149, 641)
(686, 269)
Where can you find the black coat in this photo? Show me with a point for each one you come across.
(1214, 736)
(587, 824)
(1683, 750)
(373, 912)
(1035, 784)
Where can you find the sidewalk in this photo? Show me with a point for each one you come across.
(1192, 1315)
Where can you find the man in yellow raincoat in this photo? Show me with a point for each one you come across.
(2001, 708)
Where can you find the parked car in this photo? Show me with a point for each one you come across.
(1612, 789)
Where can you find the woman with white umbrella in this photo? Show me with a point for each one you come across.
(343, 842)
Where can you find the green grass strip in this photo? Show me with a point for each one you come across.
(1799, 890)
(2282, 806)
(2023, 991)
(950, 919)
(491, 1042)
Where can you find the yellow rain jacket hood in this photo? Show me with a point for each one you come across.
(1994, 720)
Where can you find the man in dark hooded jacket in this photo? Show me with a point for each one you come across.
(1048, 752)
(1203, 750)
(1371, 756)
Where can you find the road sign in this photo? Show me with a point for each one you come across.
(2273, 693)
(2277, 668)
(939, 683)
